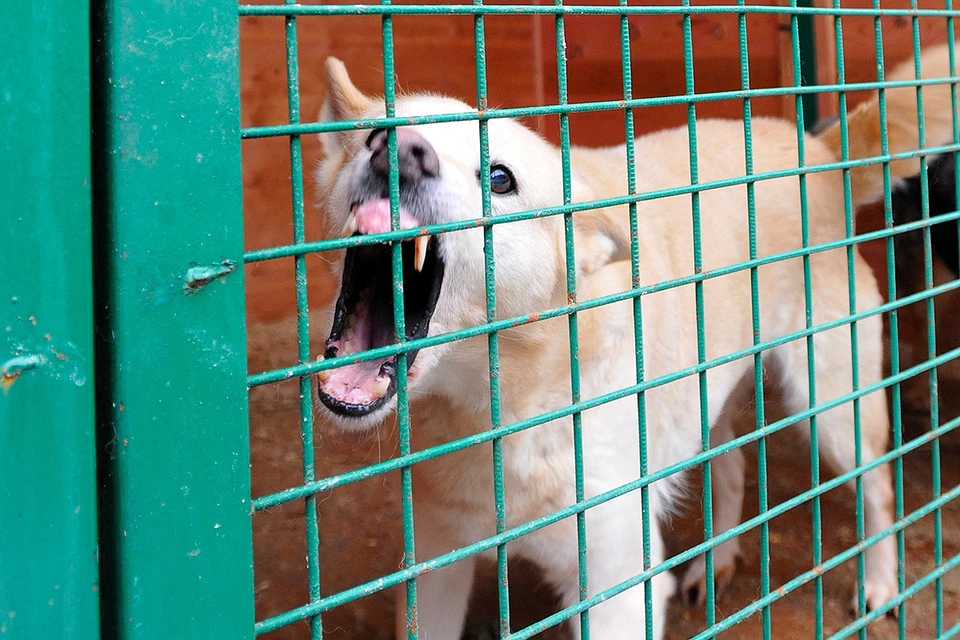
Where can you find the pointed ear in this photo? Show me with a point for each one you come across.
(343, 101)
(602, 235)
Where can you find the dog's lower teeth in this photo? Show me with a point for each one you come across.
(381, 388)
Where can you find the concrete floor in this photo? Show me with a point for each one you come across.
(360, 525)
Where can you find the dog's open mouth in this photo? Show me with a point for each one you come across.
(364, 316)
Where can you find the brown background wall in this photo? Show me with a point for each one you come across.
(437, 53)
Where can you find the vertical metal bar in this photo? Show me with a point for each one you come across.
(493, 345)
(303, 319)
(762, 479)
(894, 323)
(48, 527)
(808, 322)
(931, 327)
(571, 267)
(176, 542)
(403, 406)
(849, 230)
(636, 281)
(935, 461)
(698, 292)
(931, 321)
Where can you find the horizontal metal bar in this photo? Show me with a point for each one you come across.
(350, 477)
(308, 128)
(330, 244)
(276, 375)
(386, 582)
(616, 10)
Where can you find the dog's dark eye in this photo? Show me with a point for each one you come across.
(501, 180)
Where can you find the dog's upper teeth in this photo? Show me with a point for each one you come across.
(420, 245)
(350, 227)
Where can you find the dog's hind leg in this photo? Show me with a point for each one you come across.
(836, 428)
(727, 471)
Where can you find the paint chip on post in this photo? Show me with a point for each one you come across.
(13, 367)
(199, 276)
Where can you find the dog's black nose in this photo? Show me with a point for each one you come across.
(415, 156)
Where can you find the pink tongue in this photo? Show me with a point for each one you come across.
(373, 216)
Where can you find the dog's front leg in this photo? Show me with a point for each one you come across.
(614, 543)
(442, 595)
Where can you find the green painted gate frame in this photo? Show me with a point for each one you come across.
(121, 214)
(48, 511)
(176, 537)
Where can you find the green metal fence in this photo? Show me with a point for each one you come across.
(165, 287)
(411, 567)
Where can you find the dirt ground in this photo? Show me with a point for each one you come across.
(360, 532)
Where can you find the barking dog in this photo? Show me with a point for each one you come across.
(443, 289)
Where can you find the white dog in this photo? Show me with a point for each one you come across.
(444, 291)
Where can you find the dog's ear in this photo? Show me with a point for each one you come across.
(343, 101)
(602, 235)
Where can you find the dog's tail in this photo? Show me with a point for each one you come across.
(902, 126)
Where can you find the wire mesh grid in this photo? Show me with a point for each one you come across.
(314, 484)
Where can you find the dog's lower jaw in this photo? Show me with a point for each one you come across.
(356, 424)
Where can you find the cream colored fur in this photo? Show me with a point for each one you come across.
(449, 385)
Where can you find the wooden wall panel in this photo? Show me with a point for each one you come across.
(859, 49)
(437, 53)
(594, 68)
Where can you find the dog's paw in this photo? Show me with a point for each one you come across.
(693, 586)
(877, 594)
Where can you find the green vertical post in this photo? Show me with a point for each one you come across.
(796, 46)
(707, 502)
(759, 409)
(931, 328)
(493, 341)
(400, 331)
(176, 538)
(303, 320)
(808, 62)
(572, 325)
(894, 324)
(626, 70)
(48, 523)
(849, 232)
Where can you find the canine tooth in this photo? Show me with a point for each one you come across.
(381, 388)
(320, 358)
(347, 347)
(350, 227)
(324, 375)
(420, 245)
